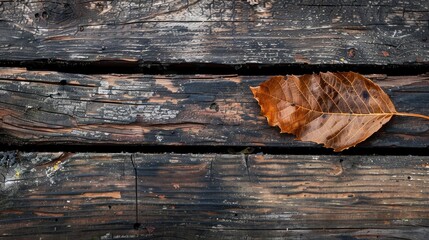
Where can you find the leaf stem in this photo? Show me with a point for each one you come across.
(411, 115)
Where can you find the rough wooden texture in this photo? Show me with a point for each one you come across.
(54, 108)
(288, 31)
(91, 196)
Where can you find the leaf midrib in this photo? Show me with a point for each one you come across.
(334, 113)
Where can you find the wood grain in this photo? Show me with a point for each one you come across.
(91, 196)
(227, 32)
(42, 107)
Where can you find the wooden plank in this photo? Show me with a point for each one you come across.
(289, 31)
(92, 196)
(206, 110)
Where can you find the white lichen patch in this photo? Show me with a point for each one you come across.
(156, 112)
(118, 112)
(117, 90)
(69, 107)
(104, 88)
(89, 134)
(253, 2)
(159, 138)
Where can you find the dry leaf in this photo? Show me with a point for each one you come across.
(338, 110)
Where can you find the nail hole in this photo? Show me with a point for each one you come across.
(110, 207)
(81, 28)
(137, 226)
(214, 106)
(44, 14)
(409, 178)
(351, 52)
(37, 15)
(56, 219)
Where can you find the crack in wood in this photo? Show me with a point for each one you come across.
(246, 165)
(137, 224)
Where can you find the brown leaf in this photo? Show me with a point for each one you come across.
(338, 110)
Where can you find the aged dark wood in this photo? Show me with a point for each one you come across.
(233, 195)
(41, 107)
(206, 31)
(91, 196)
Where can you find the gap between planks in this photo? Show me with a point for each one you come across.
(246, 69)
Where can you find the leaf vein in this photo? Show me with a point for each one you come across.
(339, 93)
(357, 94)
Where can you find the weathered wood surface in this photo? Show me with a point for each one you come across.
(60, 108)
(288, 31)
(92, 196)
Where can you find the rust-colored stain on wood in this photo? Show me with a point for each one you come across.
(11, 211)
(48, 214)
(102, 195)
